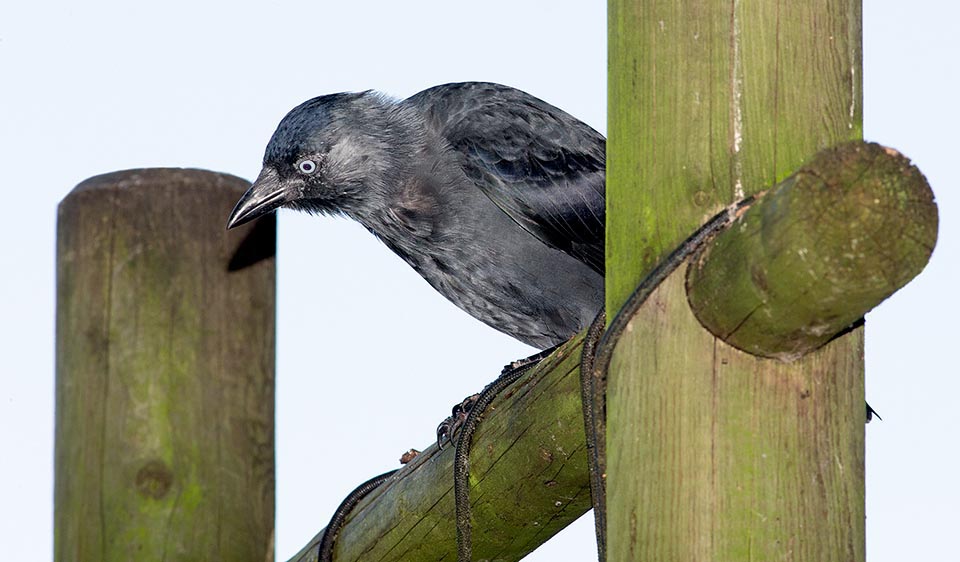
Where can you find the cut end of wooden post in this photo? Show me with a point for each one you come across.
(816, 253)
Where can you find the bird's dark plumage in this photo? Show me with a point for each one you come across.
(495, 197)
(543, 167)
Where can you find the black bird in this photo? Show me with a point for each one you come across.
(495, 197)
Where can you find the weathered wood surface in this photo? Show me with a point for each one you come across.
(164, 362)
(528, 478)
(714, 454)
(816, 252)
(737, 457)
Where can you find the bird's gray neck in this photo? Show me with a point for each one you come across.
(410, 168)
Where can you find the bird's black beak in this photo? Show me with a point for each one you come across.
(265, 195)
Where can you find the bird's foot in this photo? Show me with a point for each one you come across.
(450, 426)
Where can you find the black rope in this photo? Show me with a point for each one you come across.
(333, 528)
(594, 416)
(461, 457)
(596, 359)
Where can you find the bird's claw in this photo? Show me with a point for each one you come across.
(450, 426)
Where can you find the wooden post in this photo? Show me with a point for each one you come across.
(165, 359)
(528, 474)
(714, 454)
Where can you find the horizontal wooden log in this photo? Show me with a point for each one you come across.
(528, 480)
(816, 252)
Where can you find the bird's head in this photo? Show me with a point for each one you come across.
(332, 154)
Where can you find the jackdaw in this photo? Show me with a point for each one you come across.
(493, 196)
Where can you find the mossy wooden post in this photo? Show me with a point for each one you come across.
(165, 358)
(528, 470)
(714, 454)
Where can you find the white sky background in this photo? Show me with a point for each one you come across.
(117, 85)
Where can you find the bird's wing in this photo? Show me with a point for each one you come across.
(541, 166)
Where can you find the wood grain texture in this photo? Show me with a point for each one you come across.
(528, 479)
(729, 456)
(710, 101)
(164, 363)
(713, 454)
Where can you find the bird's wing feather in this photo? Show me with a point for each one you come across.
(541, 166)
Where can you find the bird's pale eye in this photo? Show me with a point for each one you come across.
(307, 166)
